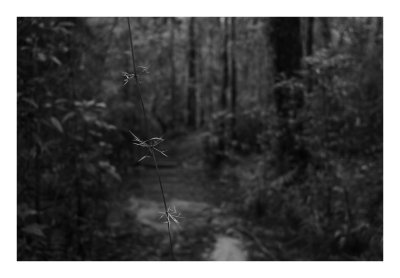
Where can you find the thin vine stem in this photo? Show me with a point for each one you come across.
(136, 77)
(150, 149)
(165, 204)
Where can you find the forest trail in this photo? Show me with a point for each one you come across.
(206, 231)
(286, 162)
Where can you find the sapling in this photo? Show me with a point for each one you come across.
(151, 145)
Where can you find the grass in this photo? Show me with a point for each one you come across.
(151, 145)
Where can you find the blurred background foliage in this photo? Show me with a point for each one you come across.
(292, 107)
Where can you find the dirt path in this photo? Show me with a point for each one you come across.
(207, 230)
(211, 228)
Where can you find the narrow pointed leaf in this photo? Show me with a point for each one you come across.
(56, 123)
(143, 157)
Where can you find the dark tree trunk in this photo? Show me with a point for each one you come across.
(287, 44)
(225, 67)
(191, 103)
(310, 36)
(309, 50)
(286, 39)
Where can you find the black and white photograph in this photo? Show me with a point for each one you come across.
(199, 139)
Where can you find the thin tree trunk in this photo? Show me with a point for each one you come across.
(191, 103)
(310, 36)
(225, 66)
(225, 80)
(309, 50)
(173, 86)
(214, 62)
(233, 78)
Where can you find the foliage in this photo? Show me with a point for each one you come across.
(64, 174)
(305, 143)
(330, 202)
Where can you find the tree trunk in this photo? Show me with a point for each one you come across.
(224, 89)
(225, 67)
(173, 86)
(325, 31)
(287, 44)
(309, 50)
(233, 79)
(310, 36)
(286, 39)
(192, 101)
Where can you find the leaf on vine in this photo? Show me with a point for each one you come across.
(143, 157)
(56, 60)
(31, 102)
(68, 116)
(34, 229)
(56, 123)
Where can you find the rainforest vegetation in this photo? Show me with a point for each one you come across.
(267, 137)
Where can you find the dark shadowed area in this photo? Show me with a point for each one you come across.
(199, 139)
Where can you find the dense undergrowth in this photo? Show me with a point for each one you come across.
(329, 198)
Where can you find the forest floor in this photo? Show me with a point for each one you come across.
(211, 228)
(216, 223)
